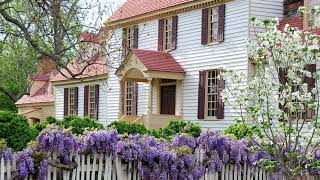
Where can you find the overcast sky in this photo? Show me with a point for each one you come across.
(107, 7)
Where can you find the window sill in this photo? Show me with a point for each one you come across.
(211, 119)
(213, 43)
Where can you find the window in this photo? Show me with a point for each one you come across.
(92, 101)
(167, 45)
(129, 98)
(213, 24)
(130, 35)
(313, 21)
(72, 101)
(212, 92)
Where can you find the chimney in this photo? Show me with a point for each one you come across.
(45, 65)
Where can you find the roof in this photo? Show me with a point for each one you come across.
(41, 96)
(96, 68)
(89, 37)
(133, 8)
(158, 61)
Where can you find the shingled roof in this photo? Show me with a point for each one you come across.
(158, 61)
(132, 8)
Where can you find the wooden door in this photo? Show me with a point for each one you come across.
(168, 100)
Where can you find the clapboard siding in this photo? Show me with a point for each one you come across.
(193, 57)
(102, 99)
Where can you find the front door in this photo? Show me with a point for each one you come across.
(168, 100)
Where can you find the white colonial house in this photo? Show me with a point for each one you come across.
(164, 59)
(172, 53)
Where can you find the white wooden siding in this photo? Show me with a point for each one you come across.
(102, 100)
(194, 57)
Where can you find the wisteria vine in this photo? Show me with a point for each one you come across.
(155, 158)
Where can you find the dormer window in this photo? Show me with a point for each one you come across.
(130, 39)
(167, 36)
(312, 21)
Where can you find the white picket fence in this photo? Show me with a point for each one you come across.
(104, 167)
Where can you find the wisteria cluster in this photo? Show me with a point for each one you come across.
(59, 141)
(220, 150)
(182, 158)
(25, 164)
(99, 142)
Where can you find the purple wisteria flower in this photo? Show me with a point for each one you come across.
(99, 142)
(25, 163)
(7, 155)
(184, 140)
(58, 140)
(43, 170)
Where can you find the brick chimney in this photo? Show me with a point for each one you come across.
(45, 65)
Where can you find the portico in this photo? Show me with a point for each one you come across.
(163, 77)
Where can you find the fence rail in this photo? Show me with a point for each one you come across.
(104, 167)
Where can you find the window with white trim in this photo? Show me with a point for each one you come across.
(167, 36)
(213, 24)
(129, 96)
(128, 35)
(92, 101)
(212, 92)
(313, 21)
(71, 102)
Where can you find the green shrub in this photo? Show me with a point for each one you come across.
(15, 130)
(241, 130)
(40, 126)
(128, 128)
(78, 125)
(173, 128)
(51, 120)
(188, 127)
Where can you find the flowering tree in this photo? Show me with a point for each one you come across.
(281, 96)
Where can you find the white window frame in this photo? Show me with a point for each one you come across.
(129, 39)
(211, 110)
(167, 33)
(92, 101)
(128, 98)
(307, 21)
(213, 22)
(71, 103)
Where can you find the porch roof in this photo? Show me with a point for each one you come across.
(144, 64)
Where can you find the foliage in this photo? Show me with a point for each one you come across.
(279, 96)
(168, 132)
(242, 130)
(15, 130)
(78, 125)
(18, 61)
(128, 128)
(51, 120)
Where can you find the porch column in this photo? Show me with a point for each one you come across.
(149, 110)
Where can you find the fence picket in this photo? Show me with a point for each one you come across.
(2, 171)
(104, 166)
(100, 168)
(94, 167)
(82, 166)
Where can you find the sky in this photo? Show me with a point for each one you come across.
(107, 7)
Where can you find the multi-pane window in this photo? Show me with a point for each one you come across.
(313, 21)
(167, 36)
(213, 24)
(128, 36)
(129, 96)
(212, 92)
(92, 101)
(72, 101)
